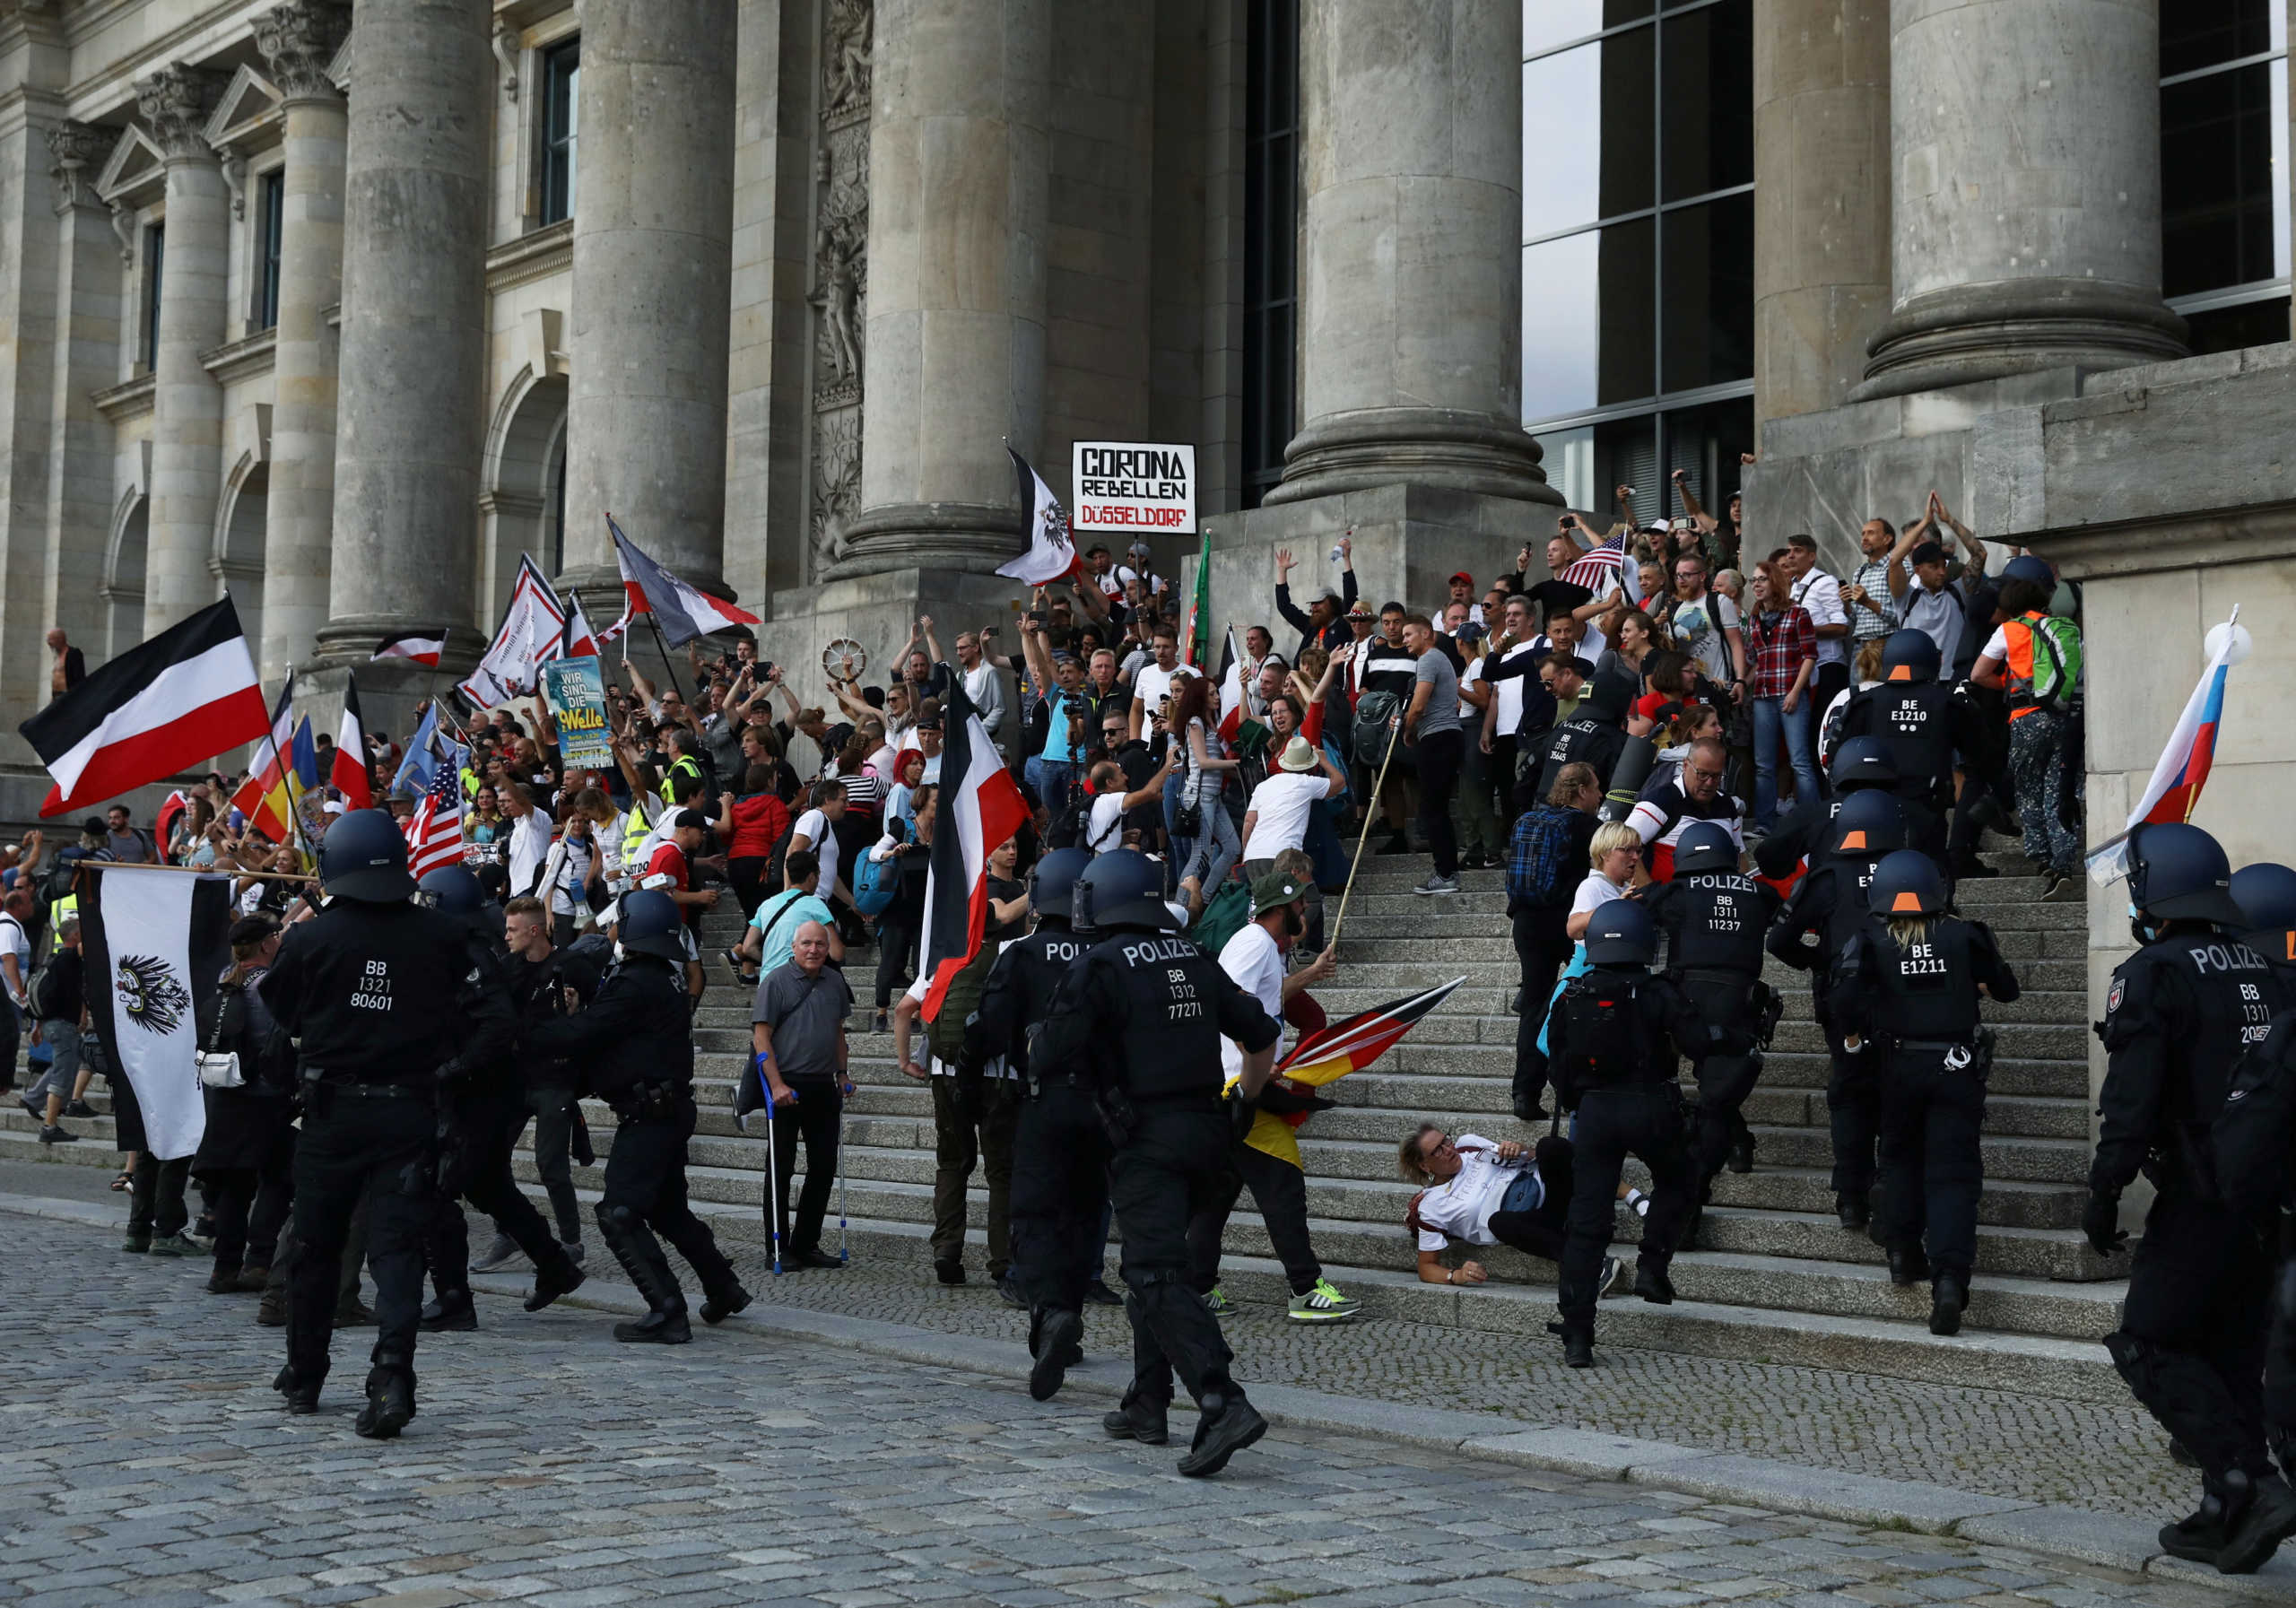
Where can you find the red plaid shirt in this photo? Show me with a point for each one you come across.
(1780, 645)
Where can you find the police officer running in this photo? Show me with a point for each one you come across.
(1830, 904)
(2256, 1140)
(1615, 1070)
(386, 999)
(1905, 997)
(1060, 1153)
(2192, 1336)
(484, 1110)
(1923, 725)
(1715, 917)
(636, 1040)
(1142, 1013)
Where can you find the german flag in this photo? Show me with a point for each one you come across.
(1330, 1054)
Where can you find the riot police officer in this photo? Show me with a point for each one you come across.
(1595, 736)
(1143, 1012)
(1905, 997)
(1830, 905)
(1714, 918)
(384, 997)
(2191, 1340)
(634, 1037)
(2266, 895)
(1860, 765)
(2257, 1172)
(484, 1112)
(1615, 1070)
(1923, 725)
(1060, 1155)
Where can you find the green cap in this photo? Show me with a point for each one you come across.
(1272, 889)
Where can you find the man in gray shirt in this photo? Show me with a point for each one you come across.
(797, 1032)
(1430, 726)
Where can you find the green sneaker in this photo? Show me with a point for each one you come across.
(1217, 1300)
(135, 1245)
(175, 1245)
(1324, 1304)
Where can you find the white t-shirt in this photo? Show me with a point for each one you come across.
(1508, 693)
(1252, 959)
(1106, 831)
(530, 848)
(1282, 803)
(814, 828)
(1594, 893)
(1821, 595)
(16, 942)
(1460, 1206)
(1149, 685)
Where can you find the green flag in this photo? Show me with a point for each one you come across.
(1198, 631)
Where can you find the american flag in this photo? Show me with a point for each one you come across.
(434, 832)
(1598, 571)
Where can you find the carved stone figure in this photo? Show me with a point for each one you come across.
(845, 60)
(837, 293)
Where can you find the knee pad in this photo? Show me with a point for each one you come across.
(2136, 1360)
(613, 1218)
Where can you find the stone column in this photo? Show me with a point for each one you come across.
(1821, 198)
(410, 422)
(187, 401)
(1411, 274)
(2025, 212)
(299, 40)
(952, 361)
(653, 286)
(80, 480)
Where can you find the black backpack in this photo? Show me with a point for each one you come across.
(2254, 1130)
(1598, 1041)
(1373, 739)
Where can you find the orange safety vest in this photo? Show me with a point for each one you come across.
(2019, 682)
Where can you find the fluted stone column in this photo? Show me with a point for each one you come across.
(410, 422)
(653, 281)
(2026, 202)
(187, 401)
(953, 358)
(81, 462)
(1412, 264)
(299, 40)
(1821, 198)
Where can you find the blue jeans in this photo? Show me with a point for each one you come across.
(1051, 780)
(1769, 720)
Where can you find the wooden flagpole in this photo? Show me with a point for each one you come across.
(1370, 805)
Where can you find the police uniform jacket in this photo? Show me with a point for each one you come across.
(388, 994)
(1828, 904)
(1598, 741)
(1917, 993)
(1145, 1013)
(1924, 724)
(1714, 922)
(635, 1031)
(1659, 1020)
(2177, 1016)
(1019, 995)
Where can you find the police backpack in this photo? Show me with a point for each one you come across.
(1602, 1044)
(2254, 1130)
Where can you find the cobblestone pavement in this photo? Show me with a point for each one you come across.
(144, 1458)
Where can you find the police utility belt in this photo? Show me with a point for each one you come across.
(1958, 1054)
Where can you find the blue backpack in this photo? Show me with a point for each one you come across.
(874, 883)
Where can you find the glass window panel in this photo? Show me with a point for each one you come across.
(562, 95)
(2222, 204)
(1568, 456)
(2230, 328)
(1626, 454)
(1704, 443)
(2199, 33)
(1707, 113)
(1586, 320)
(1550, 22)
(156, 259)
(1709, 273)
(1587, 144)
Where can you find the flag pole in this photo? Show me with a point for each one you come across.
(667, 665)
(1370, 806)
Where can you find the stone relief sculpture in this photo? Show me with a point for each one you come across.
(841, 288)
(845, 60)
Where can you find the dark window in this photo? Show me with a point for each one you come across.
(2243, 323)
(562, 82)
(558, 513)
(1707, 112)
(1271, 234)
(2218, 186)
(2204, 33)
(274, 215)
(1547, 24)
(155, 254)
(1706, 326)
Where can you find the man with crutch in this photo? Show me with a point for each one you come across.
(797, 1038)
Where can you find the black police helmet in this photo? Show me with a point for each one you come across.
(1863, 762)
(1052, 882)
(1121, 891)
(2267, 892)
(2179, 873)
(1907, 883)
(651, 924)
(1909, 656)
(1868, 825)
(1610, 698)
(1620, 934)
(453, 889)
(363, 856)
(1705, 850)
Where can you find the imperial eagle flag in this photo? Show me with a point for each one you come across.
(684, 612)
(174, 702)
(532, 631)
(156, 943)
(1052, 554)
(980, 807)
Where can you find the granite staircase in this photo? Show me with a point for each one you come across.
(1772, 1276)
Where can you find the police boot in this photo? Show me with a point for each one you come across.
(2260, 1513)
(1651, 1284)
(1949, 1297)
(1138, 1418)
(555, 1276)
(1742, 1153)
(1577, 1343)
(453, 1311)
(302, 1395)
(390, 1400)
(720, 1305)
(1909, 1264)
(2199, 1536)
(1225, 1425)
(664, 1325)
(1853, 1210)
(1057, 1344)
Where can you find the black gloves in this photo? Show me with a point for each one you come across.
(2101, 1221)
(1242, 1113)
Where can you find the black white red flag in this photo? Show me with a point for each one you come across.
(1052, 552)
(681, 612)
(420, 647)
(980, 807)
(167, 706)
(352, 777)
(154, 945)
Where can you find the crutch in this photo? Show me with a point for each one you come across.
(772, 1167)
(843, 1254)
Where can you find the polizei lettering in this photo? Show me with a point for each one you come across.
(2226, 957)
(1154, 950)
